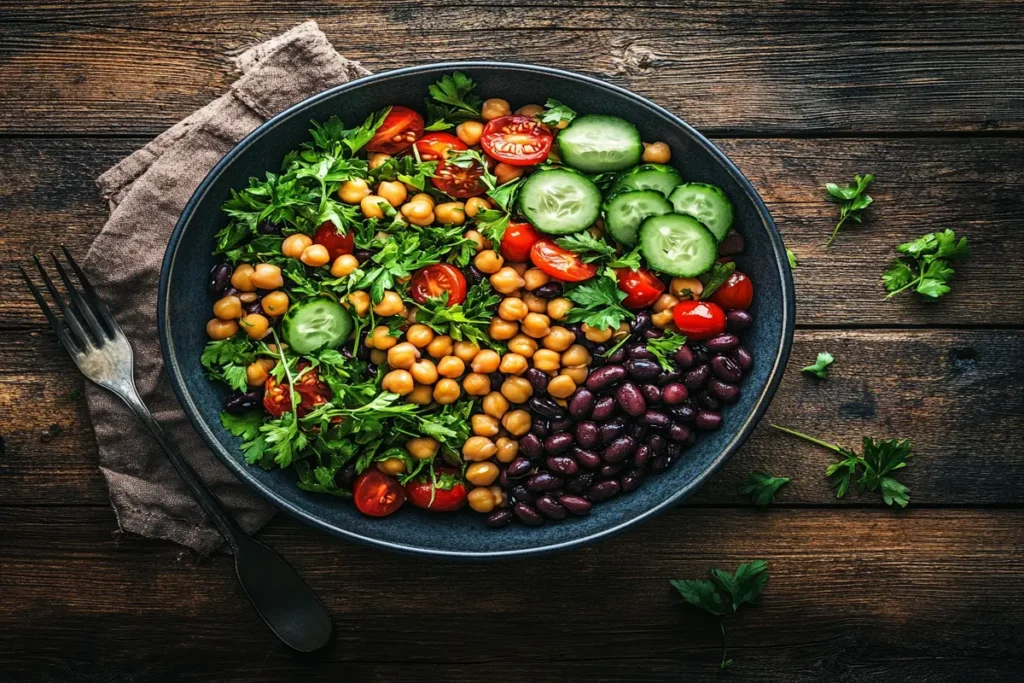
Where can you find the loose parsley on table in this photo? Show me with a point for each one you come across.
(761, 488)
(820, 366)
(792, 258)
(923, 264)
(852, 199)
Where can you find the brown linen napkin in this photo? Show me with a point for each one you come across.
(147, 192)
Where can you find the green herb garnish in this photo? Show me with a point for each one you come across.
(820, 366)
(923, 264)
(761, 487)
(851, 199)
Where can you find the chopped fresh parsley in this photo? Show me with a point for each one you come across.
(820, 366)
(761, 487)
(555, 112)
(406, 169)
(923, 264)
(452, 101)
(664, 348)
(492, 224)
(227, 360)
(852, 199)
(598, 303)
(468, 320)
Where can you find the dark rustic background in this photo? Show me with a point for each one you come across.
(929, 96)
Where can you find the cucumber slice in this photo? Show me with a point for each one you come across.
(597, 143)
(677, 245)
(657, 177)
(559, 201)
(625, 211)
(316, 324)
(706, 203)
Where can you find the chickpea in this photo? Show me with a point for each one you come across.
(578, 373)
(561, 386)
(559, 308)
(422, 447)
(267, 276)
(486, 362)
(576, 354)
(475, 205)
(451, 213)
(493, 108)
(488, 261)
(476, 384)
(228, 308)
(657, 153)
(484, 425)
(478, 448)
(440, 346)
(344, 265)
(378, 357)
(421, 395)
(466, 351)
(393, 191)
(507, 172)
(534, 278)
(559, 339)
(512, 308)
(481, 499)
(479, 240)
(596, 335)
(507, 449)
(513, 364)
(530, 110)
(294, 245)
(482, 474)
(424, 371)
(621, 332)
(392, 466)
(469, 132)
(522, 345)
(506, 280)
(258, 372)
(391, 304)
(516, 422)
(403, 355)
(519, 268)
(535, 303)
(380, 338)
(221, 329)
(664, 303)
(686, 287)
(352, 191)
(378, 159)
(536, 325)
(248, 297)
(419, 335)
(663, 319)
(516, 389)
(502, 329)
(494, 404)
(255, 325)
(418, 212)
(398, 382)
(315, 255)
(241, 278)
(451, 366)
(547, 360)
(371, 205)
(360, 302)
(275, 303)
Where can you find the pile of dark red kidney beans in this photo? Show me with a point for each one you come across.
(631, 418)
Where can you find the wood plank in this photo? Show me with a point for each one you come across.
(117, 67)
(895, 596)
(955, 393)
(975, 186)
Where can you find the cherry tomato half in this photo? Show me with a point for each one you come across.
(401, 127)
(516, 140)
(312, 392)
(449, 493)
(376, 494)
(642, 287)
(435, 146)
(457, 181)
(431, 282)
(559, 263)
(736, 292)
(518, 240)
(699, 319)
(335, 242)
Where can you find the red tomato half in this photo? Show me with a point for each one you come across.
(518, 240)
(402, 127)
(449, 494)
(516, 140)
(312, 392)
(737, 292)
(559, 263)
(435, 146)
(376, 494)
(460, 182)
(642, 287)
(336, 243)
(699, 319)
(432, 281)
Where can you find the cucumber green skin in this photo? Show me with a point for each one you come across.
(700, 262)
(627, 233)
(540, 221)
(580, 161)
(301, 344)
(718, 220)
(657, 177)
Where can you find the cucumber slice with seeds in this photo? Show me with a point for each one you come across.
(706, 203)
(597, 143)
(316, 324)
(625, 211)
(677, 245)
(559, 201)
(657, 177)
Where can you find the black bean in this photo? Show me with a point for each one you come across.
(707, 400)
(642, 369)
(722, 343)
(616, 357)
(586, 458)
(587, 435)
(220, 279)
(550, 508)
(560, 424)
(631, 480)
(701, 353)
(684, 357)
(558, 443)
(603, 409)
(562, 464)
(612, 429)
(580, 483)
(527, 515)
(685, 413)
(603, 490)
(651, 392)
(743, 358)
(641, 455)
(653, 333)
(545, 407)
(254, 307)
(605, 377)
(518, 493)
(726, 369)
(708, 420)
(659, 464)
(346, 476)
(577, 505)
(678, 432)
(618, 450)
(268, 227)
(697, 377)
(531, 446)
(543, 481)
(731, 244)
(723, 391)
(581, 404)
(497, 379)
(474, 274)
(630, 400)
(674, 394)
(639, 352)
(738, 320)
(641, 323)
(538, 380)
(550, 290)
(637, 431)
(499, 518)
(239, 402)
(519, 468)
(611, 471)
(656, 443)
(541, 428)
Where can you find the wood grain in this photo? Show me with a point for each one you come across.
(975, 186)
(725, 66)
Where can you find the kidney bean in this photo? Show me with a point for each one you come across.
(581, 404)
(685, 413)
(586, 458)
(519, 468)
(538, 380)
(656, 419)
(723, 391)
(519, 493)
(641, 455)
(562, 464)
(731, 244)
(550, 290)
(659, 464)
(630, 400)
(497, 379)
(545, 407)
(656, 443)
(503, 481)
(684, 357)
(743, 358)
(562, 424)
(364, 254)
(631, 480)
(610, 471)
(639, 352)
(708, 420)
(616, 357)
(674, 394)
(678, 432)
(527, 515)
(577, 505)
(550, 508)
(701, 353)
(347, 476)
(642, 369)
(239, 403)
(612, 429)
(587, 435)
(637, 431)
(499, 518)
(641, 323)
(541, 428)
(370, 369)
(543, 481)
(738, 320)
(722, 343)
(558, 443)
(531, 446)
(651, 392)
(268, 227)
(726, 369)
(603, 490)
(706, 400)
(256, 307)
(580, 483)
(220, 279)
(603, 409)
(618, 450)
(697, 377)
(605, 377)
(653, 333)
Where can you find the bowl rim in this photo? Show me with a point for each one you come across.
(240, 470)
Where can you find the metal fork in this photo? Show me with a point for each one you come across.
(102, 352)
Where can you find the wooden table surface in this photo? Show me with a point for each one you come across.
(929, 96)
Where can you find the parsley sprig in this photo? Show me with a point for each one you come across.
(452, 101)
(820, 366)
(468, 320)
(923, 264)
(555, 112)
(598, 303)
(761, 488)
(852, 199)
(664, 348)
(590, 249)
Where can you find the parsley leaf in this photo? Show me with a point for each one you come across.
(924, 264)
(406, 169)
(664, 348)
(716, 277)
(245, 425)
(761, 487)
(851, 199)
(468, 320)
(820, 367)
(452, 100)
(492, 224)
(629, 260)
(227, 360)
(555, 112)
(587, 247)
(598, 303)
(792, 258)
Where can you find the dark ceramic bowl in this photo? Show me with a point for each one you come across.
(184, 308)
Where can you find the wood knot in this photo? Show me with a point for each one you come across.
(634, 59)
